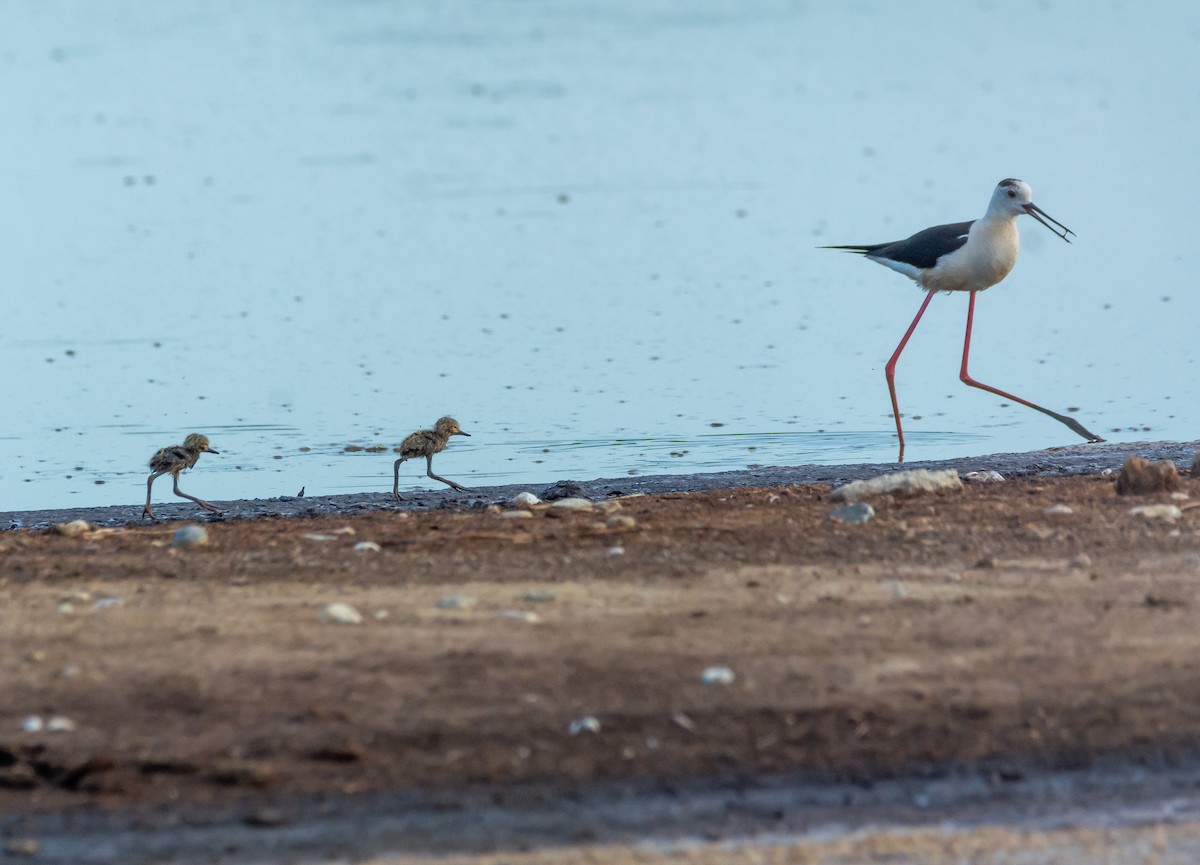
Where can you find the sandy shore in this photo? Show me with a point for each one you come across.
(984, 632)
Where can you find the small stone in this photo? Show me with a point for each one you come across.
(898, 591)
(620, 521)
(73, 529)
(859, 512)
(189, 536)
(616, 551)
(516, 515)
(319, 538)
(1179, 496)
(1192, 560)
(1058, 510)
(564, 490)
(456, 602)
(59, 724)
(525, 500)
(1170, 513)
(587, 723)
(343, 614)
(105, 603)
(522, 616)
(988, 477)
(1080, 562)
(1139, 476)
(266, 817)
(905, 484)
(717, 676)
(20, 847)
(32, 724)
(572, 504)
(367, 547)
(538, 596)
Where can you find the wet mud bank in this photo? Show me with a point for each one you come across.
(1054, 462)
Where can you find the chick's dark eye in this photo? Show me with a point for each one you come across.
(1011, 194)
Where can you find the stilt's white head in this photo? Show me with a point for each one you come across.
(1014, 197)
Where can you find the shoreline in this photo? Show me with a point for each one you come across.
(1080, 459)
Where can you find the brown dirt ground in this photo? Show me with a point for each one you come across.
(952, 628)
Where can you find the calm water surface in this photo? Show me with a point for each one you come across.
(587, 231)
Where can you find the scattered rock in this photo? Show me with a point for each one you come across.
(616, 551)
(717, 676)
(20, 847)
(105, 603)
(456, 602)
(74, 529)
(859, 512)
(343, 614)
(516, 515)
(539, 596)
(18, 776)
(32, 724)
(1170, 513)
(988, 477)
(571, 504)
(367, 547)
(620, 521)
(1081, 561)
(684, 721)
(525, 500)
(1058, 510)
(909, 483)
(310, 536)
(266, 817)
(522, 616)
(59, 724)
(564, 490)
(587, 723)
(189, 536)
(1192, 560)
(1139, 476)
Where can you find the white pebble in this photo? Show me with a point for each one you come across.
(717, 676)
(105, 603)
(367, 547)
(585, 724)
(616, 551)
(343, 614)
(73, 528)
(318, 538)
(32, 724)
(909, 483)
(525, 500)
(991, 476)
(59, 724)
(516, 515)
(1170, 513)
(572, 504)
(522, 616)
(1058, 510)
(189, 536)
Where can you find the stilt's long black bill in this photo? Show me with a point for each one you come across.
(1037, 213)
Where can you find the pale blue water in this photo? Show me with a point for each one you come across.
(586, 230)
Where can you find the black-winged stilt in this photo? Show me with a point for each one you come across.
(174, 459)
(426, 443)
(965, 256)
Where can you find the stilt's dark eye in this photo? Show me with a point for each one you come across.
(1011, 194)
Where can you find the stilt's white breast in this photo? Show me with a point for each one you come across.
(984, 260)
